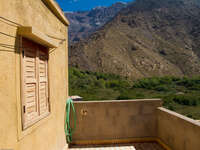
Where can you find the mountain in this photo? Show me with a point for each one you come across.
(83, 23)
(148, 38)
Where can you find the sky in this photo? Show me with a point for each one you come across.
(80, 5)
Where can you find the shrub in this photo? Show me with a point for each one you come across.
(191, 83)
(189, 115)
(186, 100)
(168, 100)
(77, 73)
(171, 107)
(112, 84)
(166, 80)
(147, 83)
(161, 88)
(123, 97)
(140, 95)
(194, 87)
(159, 82)
(124, 84)
(99, 83)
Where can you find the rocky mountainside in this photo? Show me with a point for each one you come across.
(148, 38)
(83, 23)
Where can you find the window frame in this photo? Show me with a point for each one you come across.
(22, 104)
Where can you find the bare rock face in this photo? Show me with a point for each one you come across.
(83, 23)
(148, 38)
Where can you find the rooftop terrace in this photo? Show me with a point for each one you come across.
(131, 146)
(133, 125)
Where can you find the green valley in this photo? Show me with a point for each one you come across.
(180, 94)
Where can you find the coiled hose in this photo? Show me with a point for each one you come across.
(68, 130)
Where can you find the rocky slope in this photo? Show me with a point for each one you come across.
(148, 38)
(83, 23)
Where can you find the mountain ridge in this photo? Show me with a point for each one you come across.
(84, 23)
(148, 38)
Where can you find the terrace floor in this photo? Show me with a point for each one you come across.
(132, 146)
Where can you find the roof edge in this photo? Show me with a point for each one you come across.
(54, 7)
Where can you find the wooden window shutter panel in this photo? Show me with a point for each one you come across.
(35, 97)
(43, 82)
(30, 98)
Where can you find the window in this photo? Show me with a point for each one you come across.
(34, 69)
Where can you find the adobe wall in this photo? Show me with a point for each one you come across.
(109, 120)
(47, 134)
(178, 131)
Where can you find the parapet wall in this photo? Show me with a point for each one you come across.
(178, 131)
(109, 120)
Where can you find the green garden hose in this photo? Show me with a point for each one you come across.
(68, 130)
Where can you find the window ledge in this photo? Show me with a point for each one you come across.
(38, 37)
(23, 133)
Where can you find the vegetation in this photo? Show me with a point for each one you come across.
(178, 94)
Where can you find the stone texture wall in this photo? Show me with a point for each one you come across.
(47, 134)
(178, 131)
(109, 120)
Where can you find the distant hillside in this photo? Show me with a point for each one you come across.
(148, 38)
(83, 23)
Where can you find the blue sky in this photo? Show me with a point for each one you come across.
(77, 5)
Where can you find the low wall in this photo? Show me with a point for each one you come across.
(108, 120)
(177, 131)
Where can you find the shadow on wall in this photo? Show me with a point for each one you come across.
(6, 47)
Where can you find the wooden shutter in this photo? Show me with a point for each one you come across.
(30, 108)
(43, 82)
(35, 102)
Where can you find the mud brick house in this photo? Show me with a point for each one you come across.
(34, 89)
(33, 75)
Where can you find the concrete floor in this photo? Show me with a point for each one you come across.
(106, 148)
(132, 146)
